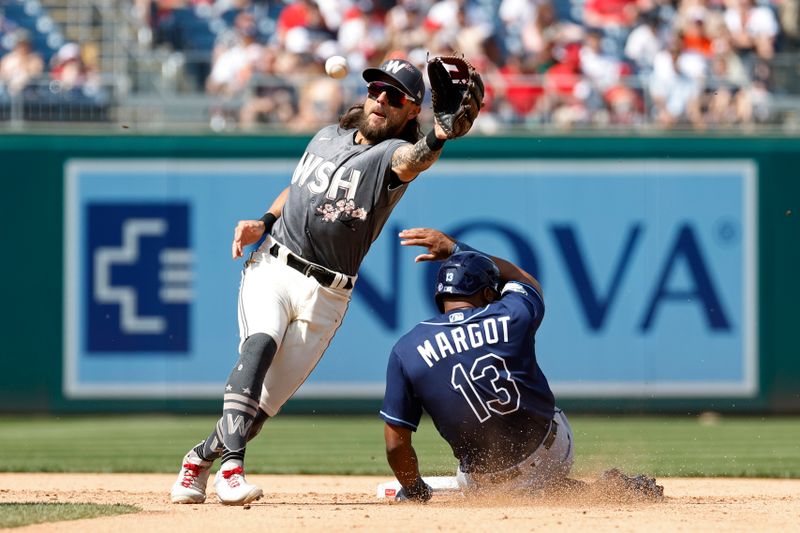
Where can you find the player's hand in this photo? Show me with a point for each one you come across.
(439, 245)
(247, 232)
(419, 492)
(439, 130)
(456, 94)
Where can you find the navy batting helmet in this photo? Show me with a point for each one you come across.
(464, 274)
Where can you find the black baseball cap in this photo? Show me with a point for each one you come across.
(401, 74)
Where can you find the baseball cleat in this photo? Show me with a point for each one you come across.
(231, 486)
(637, 487)
(190, 487)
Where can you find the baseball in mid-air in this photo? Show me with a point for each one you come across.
(336, 67)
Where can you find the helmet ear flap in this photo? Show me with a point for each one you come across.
(439, 302)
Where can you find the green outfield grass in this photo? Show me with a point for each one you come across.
(661, 446)
(22, 514)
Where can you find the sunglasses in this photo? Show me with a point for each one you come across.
(396, 97)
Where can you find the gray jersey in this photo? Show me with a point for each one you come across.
(339, 199)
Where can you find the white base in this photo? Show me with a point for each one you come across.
(437, 483)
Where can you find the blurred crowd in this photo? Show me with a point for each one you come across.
(572, 63)
(567, 62)
(52, 83)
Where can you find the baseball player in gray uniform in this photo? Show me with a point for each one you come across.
(296, 286)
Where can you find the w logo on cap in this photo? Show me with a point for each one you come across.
(393, 66)
(400, 73)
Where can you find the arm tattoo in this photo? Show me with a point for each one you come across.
(416, 157)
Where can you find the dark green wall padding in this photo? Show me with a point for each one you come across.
(31, 269)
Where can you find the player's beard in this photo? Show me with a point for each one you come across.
(391, 127)
(354, 117)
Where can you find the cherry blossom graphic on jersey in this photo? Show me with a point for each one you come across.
(344, 211)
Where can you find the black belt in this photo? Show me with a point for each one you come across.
(325, 277)
(511, 473)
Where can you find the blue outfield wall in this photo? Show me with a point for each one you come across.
(667, 265)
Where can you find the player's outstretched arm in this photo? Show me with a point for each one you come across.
(457, 96)
(411, 159)
(249, 231)
(511, 272)
(441, 246)
(404, 463)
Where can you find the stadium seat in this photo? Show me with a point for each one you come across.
(43, 104)
(230, 15)
(16, 14)
(569, 10)
(45, 35)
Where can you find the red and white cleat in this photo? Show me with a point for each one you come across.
(190, 487)
(231, 486)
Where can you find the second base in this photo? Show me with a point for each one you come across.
(390, 489)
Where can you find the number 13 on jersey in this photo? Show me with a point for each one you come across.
(502, 399)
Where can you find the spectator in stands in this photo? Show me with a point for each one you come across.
(516, 14)
(301, 24)
(68, 68)
(695, 35)
(271, 99)
(332, 12)
(676, 86)
(320, 99)
(645, 41)
(758, 92)
(446, 19)
(729, 95)
(615, 18)
(532, 27)
(602, 70)
(727, 67)
(21, 65)
(233, 68)
(244, 21)
(789, 17)
(295, 65)
(362, 36)
(753, 28)
(293, 14)
(305, 14)
(516, 41)
(608, 14)
(75, 91)
(458, 25)
(470, 37)
(565, 93)
(405, 29)
(162, 23)
(519, 87)
(609, 96)
(317, 25)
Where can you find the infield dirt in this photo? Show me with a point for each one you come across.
(346, 503)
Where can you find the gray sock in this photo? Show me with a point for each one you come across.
(211, 448)
(240, 403)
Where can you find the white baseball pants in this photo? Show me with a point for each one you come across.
(535, 471)
(301, 315)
